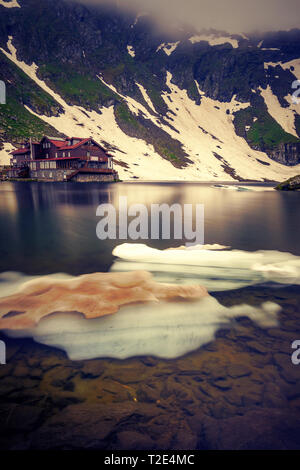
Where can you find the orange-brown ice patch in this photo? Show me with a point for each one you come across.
(93, 295)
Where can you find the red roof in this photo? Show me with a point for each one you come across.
(63, 144)
(20, 151)
(58, 143)
(71, 147)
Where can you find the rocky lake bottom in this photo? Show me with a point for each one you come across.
(241, 391)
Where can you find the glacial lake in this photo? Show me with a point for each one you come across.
(217, 374)
(51, 227)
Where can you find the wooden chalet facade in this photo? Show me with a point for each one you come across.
(56, 159)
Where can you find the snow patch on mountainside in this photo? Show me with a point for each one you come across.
(209, 137)
(146, 97)
(284, 116)
(271, 64)
(131, 51)
(11, 4)
(206, 132)
(135, 106)
(168, 47)
(293, 66)
(30, 70)
(214, 40)
(140, 158)
(5, 154)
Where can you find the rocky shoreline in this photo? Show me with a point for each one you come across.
(239, 392)
(293, 184)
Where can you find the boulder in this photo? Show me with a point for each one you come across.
(88, 426)
(292, 184)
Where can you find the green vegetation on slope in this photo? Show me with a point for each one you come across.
(16, 123)
(265, 133)
(77, 87)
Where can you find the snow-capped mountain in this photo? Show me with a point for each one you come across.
(182, 105)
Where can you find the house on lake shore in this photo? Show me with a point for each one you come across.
(59, 159)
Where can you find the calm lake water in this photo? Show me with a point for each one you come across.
(240, 390)
(48, 228)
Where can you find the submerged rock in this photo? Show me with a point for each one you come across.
(266, 429)
(132, 440)
(89, 426)
(19, 418)
(238, 370)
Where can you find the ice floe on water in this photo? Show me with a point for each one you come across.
(165, 326)
(165, 330)
(12, 281)
(93, 295)
(243, 188)
(215, 269)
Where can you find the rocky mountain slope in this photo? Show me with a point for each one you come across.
(182, 105)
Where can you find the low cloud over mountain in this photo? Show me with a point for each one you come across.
(234, 16)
